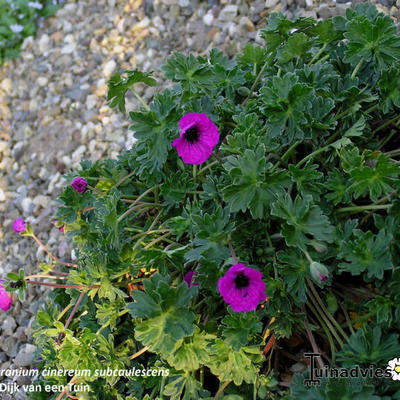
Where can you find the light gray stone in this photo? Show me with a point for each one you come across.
(18, 150)
(8, 326)
(109, 68)
(228, 13)
(25, 356)
(271, 3)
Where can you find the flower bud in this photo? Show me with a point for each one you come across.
(19, 225)
(79, 184)
(319, 272)
(243, 91)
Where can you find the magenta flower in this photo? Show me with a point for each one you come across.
(198, 138)
(5, 299)
(242, 288)
(61, 229)
(19, 225)
(188, 278)
(79, 184)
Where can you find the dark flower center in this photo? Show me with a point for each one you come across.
(192, 134)
(241, 281)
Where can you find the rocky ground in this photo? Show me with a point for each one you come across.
(53, 110)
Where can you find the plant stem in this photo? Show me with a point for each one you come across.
(329, 315)
(208, 166)
(320, 51)
(311, 338)
(92, 188)
(144, 104)
(162, 388)
(151, 231)
(74, 310)
(326, 330)
(386, 139)
(62, 313)
(273, 254)
(356, 69)
(53, 257)
(359, 319)
(309, 259)
(194, 180)
(65, 391)
(59, 273)
(122, 180)
(159, 239)
(129, 210)
(86, 209)
(364, 208)
(255, 83)
(393, 153)
(372, 108)
(322, 59)
(140, 352)
(44, 276)
(363, 292)
(328, 324)
(386, 124)
(55, 285)
(228, 123)
(221, 389)
(346, 315)
(314, 153)
(285, 156)
(235, 260)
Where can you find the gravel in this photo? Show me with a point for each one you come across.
(53, 110)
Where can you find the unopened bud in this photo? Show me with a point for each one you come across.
(319, 272)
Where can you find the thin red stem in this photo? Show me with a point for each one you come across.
(53, 257)
(59, 273)
(74, 310)
(56, 285)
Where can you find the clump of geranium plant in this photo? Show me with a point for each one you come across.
(255, 218)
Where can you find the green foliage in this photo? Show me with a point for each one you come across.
(332, 389)
(304, 178)
(285, 101)
(118, 86)
(238, 327)
(194, 75)
(302, 219)
(370, 347)
(165, 313)
(367, 252)
(374, 40)
(253, 186)
(236, 366)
